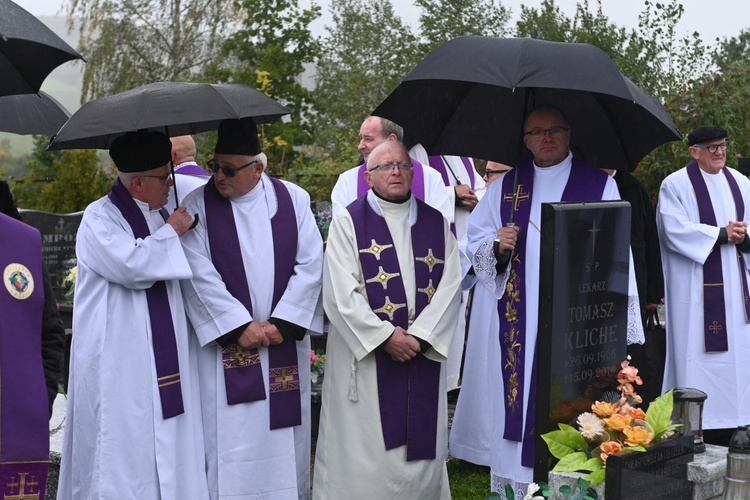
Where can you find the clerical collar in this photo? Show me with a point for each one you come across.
(396, 202)
(144, 207)
(184, 164)
(567, 162)
(251, 195)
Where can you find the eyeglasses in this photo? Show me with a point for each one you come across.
(163, 178)
(389, 167)
(553, 132)
(713, 147)
(214, 167)
(490, 173)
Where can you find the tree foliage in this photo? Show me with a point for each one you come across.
(128, 43)
(61, 181)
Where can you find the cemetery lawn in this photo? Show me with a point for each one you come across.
(468, 481)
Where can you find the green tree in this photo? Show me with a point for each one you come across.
(733, 49)
(443, 20)
(128, 43)
(269, 53)
(61, 181)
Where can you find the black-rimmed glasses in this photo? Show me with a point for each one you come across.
(163, 178)
(713, 147)
(554, 132)
(214, 167)
(389, 167)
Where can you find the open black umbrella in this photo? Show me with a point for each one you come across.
(29, 51)
(469, 97)
(31, 114)
(174, 108)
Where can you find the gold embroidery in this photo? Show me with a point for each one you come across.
(21, 486)
(239, 356)
(169, 380)
(519, 196)
(430, 260)
(283, 379)
(383, 277)
(389, 308)
(513, 348)
(429, 290)
(715, 327)
(375, 249)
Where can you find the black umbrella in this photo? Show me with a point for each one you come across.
(469, 97)
(31, 114)
(174, 108)
(29, 51)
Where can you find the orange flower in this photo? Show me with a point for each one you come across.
(628, 374)
(603, 409)
(637, 413)
(637, 436)
(618, 422)
(609, 448)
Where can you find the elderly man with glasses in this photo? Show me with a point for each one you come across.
(134, 412)
(551, 174)
(702, 220)
(257, 259)
(390, 286)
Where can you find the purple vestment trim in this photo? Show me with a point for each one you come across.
(24, 414)
(714, 309)
(190, 168)
(417, 183)
(160, 314)
(584, 183)
(243, 374)
(408, 393)
(437, 162)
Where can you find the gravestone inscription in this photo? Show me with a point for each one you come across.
(583, 312)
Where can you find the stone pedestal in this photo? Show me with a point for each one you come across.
(706, 472)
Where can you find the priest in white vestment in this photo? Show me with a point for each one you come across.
(702, 220)
(547, 137)
(188, 175)
(257, 259)
(350, 185)
(391, 281)
(133, 426)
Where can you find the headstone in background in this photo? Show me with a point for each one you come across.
(58, 244)
(660, 472)
(583, 312)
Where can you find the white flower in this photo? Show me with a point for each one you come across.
(533, 488)
(590, 426)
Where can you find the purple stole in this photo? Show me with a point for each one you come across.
(408, 393)
(160, 315)
(191, 168)
(585, 183)
(24, 414)
(714, 311)
(441, 166)
(417, 183)
(243, 374)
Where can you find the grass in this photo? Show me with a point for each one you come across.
(468, 481)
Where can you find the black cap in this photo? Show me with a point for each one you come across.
(140, 151)
(705, 133)
(238, 137)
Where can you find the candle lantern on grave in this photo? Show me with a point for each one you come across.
(688, 410)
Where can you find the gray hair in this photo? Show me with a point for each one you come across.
(390, 127)
(126, 178)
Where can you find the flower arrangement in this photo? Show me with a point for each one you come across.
(323, 220)
(613, 425)
(585, 492)
(69, 282)
(317, 364)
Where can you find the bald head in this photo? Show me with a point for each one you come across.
(389, 171)
(183, 149)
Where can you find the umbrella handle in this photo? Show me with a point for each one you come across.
(195, 222)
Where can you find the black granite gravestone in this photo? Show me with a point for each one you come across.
(583, 312)
(660, 472)
(58, 244)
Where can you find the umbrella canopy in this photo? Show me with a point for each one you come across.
(469, 97)
(174, 108)
(31, 114)
(29, 51)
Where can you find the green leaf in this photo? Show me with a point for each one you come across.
(496, 496)
(659, 414)
(565, 489)
(633, 448)
(509, 494)
(565, 441)
(593, 464)
(596, 477)
(571, 463)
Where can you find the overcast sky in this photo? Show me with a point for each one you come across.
(720, 18)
